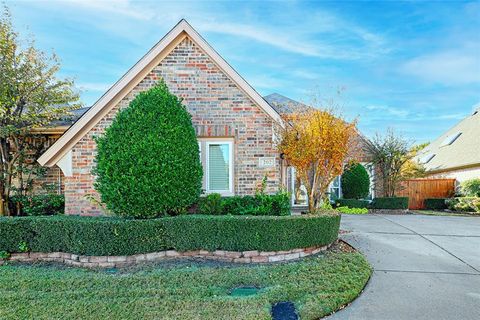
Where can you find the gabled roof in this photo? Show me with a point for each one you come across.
(284, 105)
(456, 148)
(123, 86)
(71, 119)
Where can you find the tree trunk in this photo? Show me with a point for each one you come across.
(311, 205)
(18, 207)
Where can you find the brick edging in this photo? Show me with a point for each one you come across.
(120, 261)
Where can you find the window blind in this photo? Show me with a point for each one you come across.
(218, 167)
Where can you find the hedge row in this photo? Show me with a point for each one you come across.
(435, 203)
(352, 203)
(259, 205)
(390, 203)
(377, 203)
(113, 236)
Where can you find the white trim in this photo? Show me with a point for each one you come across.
(292, 186)
(208, 142)
(331, 186)
(65, 164)
(120, 89)
(371, 175)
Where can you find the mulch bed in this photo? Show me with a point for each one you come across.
(390, 211)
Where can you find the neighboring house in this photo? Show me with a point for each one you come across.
(456, 153)
(43, 138)
(234, 124)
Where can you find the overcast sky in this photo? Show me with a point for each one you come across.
(413, 66)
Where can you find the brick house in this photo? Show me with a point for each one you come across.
(229, 117)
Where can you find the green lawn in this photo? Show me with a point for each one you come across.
(188, 290)
(442, 213)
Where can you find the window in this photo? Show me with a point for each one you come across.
(298, 190)
(217, 161)
(371, 174)
(334, 190)
(450, 139)
(425, 159)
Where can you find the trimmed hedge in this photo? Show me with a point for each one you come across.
(390, 203)
(435, 203)
(259, 205)
(352, 203)
(113, 236)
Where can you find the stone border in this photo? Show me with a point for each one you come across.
(121, 261)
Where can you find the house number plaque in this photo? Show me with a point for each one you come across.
(266, 162)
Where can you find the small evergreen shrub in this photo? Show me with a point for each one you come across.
(41, 204)
(239, 205)
(352, 203)
(211, 204)
(148, 161)
(4, 255)
(355, 182)
(348, 210)
(471, 188)
(114, 236)
(435, 203)
(281, 203)
(390, 203)
(464, 204)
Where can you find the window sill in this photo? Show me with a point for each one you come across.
(222, 193)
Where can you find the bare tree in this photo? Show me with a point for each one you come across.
(388, 153)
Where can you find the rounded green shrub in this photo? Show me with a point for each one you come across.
(355, 182)
(211, 204)
(148, 161)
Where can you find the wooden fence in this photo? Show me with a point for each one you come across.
(418, 190)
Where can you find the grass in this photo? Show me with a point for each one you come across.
(190, 290)
(443, 213)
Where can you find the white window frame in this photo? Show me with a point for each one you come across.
(330, 187)
(371, 175)
(293, 174)
(230, 166)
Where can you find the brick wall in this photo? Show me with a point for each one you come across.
(53, 177)
(218, 108)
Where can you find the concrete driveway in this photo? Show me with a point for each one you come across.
(425, 267)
